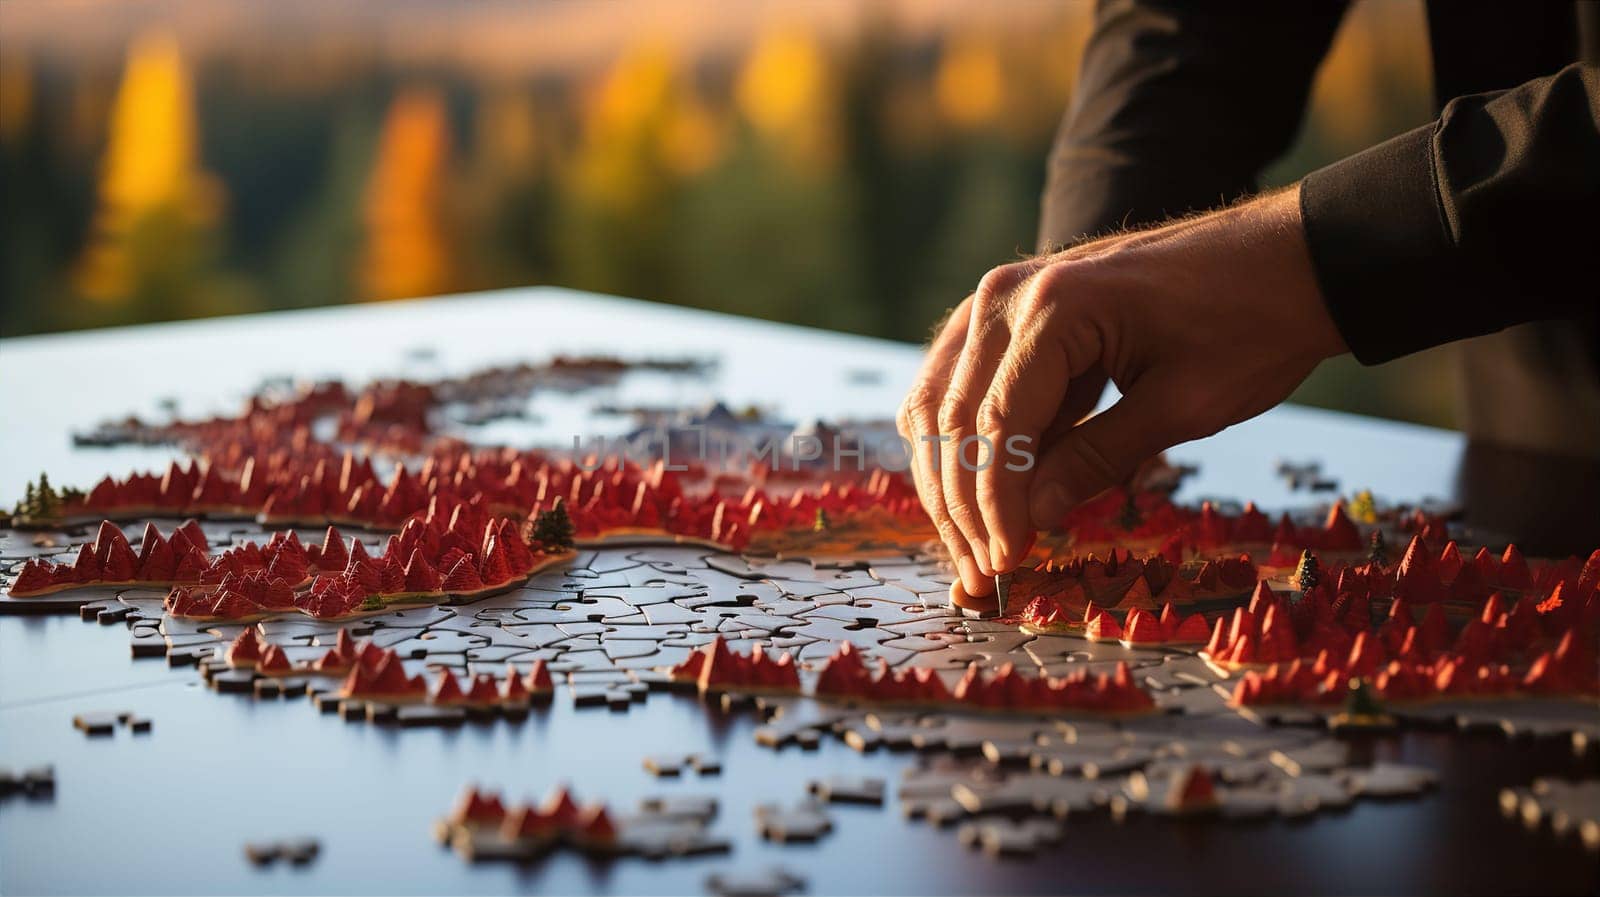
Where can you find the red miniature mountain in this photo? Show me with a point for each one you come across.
(538, 680)
(245, 650)
(462, 579)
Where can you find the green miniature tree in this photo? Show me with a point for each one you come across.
(45, 500)
(822, 522)
(1130, 518)
(1309, 572)
(1361, 702)
(30, 498)
(553, 529)
(1378, 554)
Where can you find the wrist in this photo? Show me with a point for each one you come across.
(1280, 232)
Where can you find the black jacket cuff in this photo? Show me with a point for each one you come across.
(1379, 245)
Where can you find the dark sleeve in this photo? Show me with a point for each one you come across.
(1486, 218)
(1178, 107)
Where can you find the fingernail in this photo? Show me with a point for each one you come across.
(980, 553)
(974, 582)
(1000, 555)
(1049, 505)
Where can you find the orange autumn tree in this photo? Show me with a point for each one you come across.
(407, 252)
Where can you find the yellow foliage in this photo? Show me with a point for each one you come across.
(151, 171)
(970, 83)
(642, 125)
(785, 90)
(406, 252)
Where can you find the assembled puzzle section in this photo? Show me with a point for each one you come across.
(1149, 658)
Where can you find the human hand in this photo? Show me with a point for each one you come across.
(1201, 323)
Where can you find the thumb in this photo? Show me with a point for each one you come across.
(1102, 452)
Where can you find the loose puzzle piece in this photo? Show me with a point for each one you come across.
(803, 822)
(847, 789)
(1392, 780)
(675, 764)
(36, 784)
(1569, 807)
(1032, 793)
(1001, 836)
(297, 851)
(773, 881)
(101, 723)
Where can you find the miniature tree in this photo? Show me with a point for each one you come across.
(553, 529)
(1130, 518)
(1309, 571)
(1363, 508)
(45, 499)
(822, 522)
(30, 498)
(1361, 702)
(1378, 554)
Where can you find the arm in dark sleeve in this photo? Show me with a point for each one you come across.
(1178, 107)
(1486, 218)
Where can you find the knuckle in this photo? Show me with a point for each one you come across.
(1044, 291)
(991, 417)
(922, 393)
(965, 518)
(997, 282)
(950, 535)
(952, 414)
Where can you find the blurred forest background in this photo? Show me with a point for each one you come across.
(850, 165)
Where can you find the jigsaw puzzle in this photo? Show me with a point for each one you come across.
(1149, 658)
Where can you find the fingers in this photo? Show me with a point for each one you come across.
(1106, 449)
(987, 337)
(918, 425)
(1055, 342)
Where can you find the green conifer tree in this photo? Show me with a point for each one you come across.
(1378, 554)
(1309, 572)
(1130, 518)
(1361, 702)
(553, 529)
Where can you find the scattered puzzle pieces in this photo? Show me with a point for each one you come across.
(1569, 807)
(675, 764)
(103, 723)
(296, 851)
(1002, 836)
